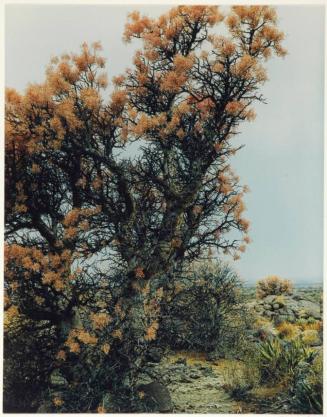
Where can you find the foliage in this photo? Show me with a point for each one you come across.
(94, 239)
(273, 285)
(302, 386)
(307, 390)
(279, 360)
(214, 325)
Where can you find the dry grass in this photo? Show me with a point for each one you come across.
(312, 326)
(288, 330)
(192, 358)
(267, 392)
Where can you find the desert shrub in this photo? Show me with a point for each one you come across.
(240, 377)
(288, 331)
(204, 310)
(273, 285)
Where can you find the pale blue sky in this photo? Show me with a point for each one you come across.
(283, 159)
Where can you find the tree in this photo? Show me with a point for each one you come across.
(95, 236)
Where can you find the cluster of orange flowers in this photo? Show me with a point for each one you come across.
(262, 20)
(79, 335)
(151, 331)
(10, 317)
(139, 272)
(158, 33)
(100, 320)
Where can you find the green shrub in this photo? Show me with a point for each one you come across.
(204, 310)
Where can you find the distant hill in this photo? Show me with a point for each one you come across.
(298, 283)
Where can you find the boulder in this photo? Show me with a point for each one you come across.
(268, 313)
(310, 308)
(269, 299)
(157, 396)
(281, 318)
(258, 308)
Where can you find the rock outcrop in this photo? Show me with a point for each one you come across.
(286, 308)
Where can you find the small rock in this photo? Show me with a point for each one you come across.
(185, 378)
(269, 299)
(195, 375)
(207, 371)
(280, 319)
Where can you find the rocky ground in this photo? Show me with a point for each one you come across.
(195, 384)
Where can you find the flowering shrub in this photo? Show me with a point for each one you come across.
(273, 285)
